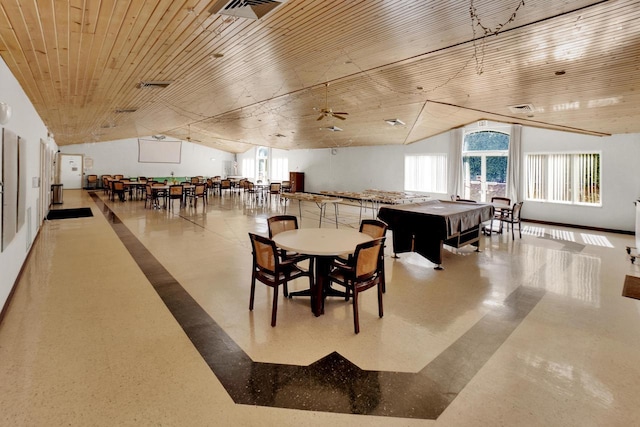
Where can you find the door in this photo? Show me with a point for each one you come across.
(485, 176)
(71, 171)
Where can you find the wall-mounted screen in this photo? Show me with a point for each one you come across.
(159, 151)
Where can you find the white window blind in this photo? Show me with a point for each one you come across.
(564, 178)
(426, 172)
(279, 169)
(249, 168)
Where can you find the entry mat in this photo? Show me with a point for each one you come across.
(69, 213)
(631, 287)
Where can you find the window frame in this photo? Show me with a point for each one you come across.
(437, 185)
(573, 179)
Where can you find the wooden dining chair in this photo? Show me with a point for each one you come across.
(106, 188)
(361, 273)
(199, 192)
(118, 188)
(274, 190)
(269, 269)
(279, 223)
(498, 214)
(176, 192)
(513, 218)
(92, 182)
(376, 229)
(149, 196)
(225, 184)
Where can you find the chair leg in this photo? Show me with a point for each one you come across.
(356, 318)
(380, 308)
(253, 292)
(274, 309)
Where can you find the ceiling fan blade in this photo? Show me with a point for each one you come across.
(339, 117)
(320, 117)
(342, 114)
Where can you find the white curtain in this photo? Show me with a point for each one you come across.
(454, 183)
(514, 189)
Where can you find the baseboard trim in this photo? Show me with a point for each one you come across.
(582, 227)
(5, 307)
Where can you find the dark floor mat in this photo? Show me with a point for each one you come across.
(631, 287)
(69, 213)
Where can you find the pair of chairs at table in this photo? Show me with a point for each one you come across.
(362, 270)
(510, 216)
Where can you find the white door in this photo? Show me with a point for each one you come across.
(71, 171)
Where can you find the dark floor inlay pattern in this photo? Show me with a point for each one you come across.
(344, 387)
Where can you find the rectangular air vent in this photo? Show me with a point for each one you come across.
(522, 109)
(153, 84)
(250, 9)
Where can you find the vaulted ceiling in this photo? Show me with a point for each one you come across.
(92, 67)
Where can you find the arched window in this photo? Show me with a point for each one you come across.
(485, 155)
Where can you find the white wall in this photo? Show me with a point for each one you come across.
(27, 124)
(121, 157)
(620, 185)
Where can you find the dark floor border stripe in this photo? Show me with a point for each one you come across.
(344, 387)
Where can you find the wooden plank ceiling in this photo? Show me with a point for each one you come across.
(238, 82)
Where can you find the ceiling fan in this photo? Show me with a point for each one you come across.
(328, 112)
(189, 135)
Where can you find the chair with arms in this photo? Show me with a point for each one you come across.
(274, 190)
(176, 192)
(117, 188)
(513, 218)
(225, 184)
(376, 229)
(106, 186)
(149, 196)
(199, 192)
(361, 273)
(269, 269)
(278, 224)
(499, 213)
(92, 181)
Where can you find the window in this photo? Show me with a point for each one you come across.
(425, 172)
(484, 159)
(572, 178)
(279, 169)
(249, 168)
(262, 159)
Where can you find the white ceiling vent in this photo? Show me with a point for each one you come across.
(250, 9)
(522, 109)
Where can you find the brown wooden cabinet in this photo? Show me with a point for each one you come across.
(297, 182)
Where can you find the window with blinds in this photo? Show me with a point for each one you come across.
(425, 172)
(572, 178)
(279, 169)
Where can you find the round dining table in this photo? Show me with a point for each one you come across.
(323, 244)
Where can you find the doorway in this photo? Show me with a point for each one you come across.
(484, 160)
(71, 171)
